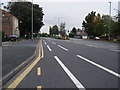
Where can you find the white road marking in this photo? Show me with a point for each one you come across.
(115, 50)
(89, 45)
(44, 42)
(72, 77)
(53, 42)
(62, 47)
(104, 68)
(49, 48)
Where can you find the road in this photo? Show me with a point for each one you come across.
(14, 54)
(71, 65)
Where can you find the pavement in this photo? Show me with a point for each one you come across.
(71, 64)
(13, 54)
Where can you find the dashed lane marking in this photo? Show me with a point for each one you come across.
(62, 47)
(68, 72)
(53, 42)
(49, 48)
(44, 42)
(104, 68)
(38, 71)
(39, 87)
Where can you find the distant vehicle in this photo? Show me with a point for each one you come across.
(6, 38)
(13, 37)
(97, 38)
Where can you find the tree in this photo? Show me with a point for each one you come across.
(62, 30)
(54, 30)
(95, 25)
(89, 24)
(73, 32)
(23, 11)
(99, 26)
(50, 30)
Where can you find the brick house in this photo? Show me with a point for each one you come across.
(9, 24)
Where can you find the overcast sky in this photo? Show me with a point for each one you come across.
(72, 12)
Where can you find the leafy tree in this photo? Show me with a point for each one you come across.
(44, 35)
(73, 32)
(54, 30)
(23, 11)
(62, 30)
(95, 25)
(114, 29)
(89, 23)
(99, 26)
(50, 30)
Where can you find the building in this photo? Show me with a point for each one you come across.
(81, 34)
(9, 24)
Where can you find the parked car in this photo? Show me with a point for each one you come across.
(6, 38)
(97, 38)
(13, 37)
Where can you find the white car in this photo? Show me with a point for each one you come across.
(97, 38)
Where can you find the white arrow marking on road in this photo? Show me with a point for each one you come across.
(72, 77)
(49, 48)
(104, 68)
(62, 47)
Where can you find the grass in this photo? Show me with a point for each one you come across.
(63, 38)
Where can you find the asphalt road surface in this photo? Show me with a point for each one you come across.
(13, 54)
(67, 64)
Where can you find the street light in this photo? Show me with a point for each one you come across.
(109, 21)
(32, 23)
(59, 20)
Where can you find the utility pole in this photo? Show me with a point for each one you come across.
(109, 21)
(32, 23)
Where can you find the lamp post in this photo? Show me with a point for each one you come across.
(58, 21)
(109, 21)
(32, 23)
